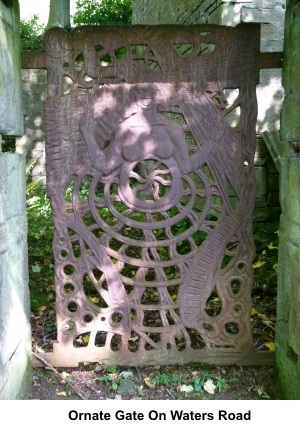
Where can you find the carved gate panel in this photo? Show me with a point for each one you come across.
(150, 147)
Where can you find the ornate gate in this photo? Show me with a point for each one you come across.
(150, 146)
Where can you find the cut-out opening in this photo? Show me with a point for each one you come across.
(208, 327)
(116, 342)
(87, 318)
(69, 288)
(155, 337)
(82, 340)
(92, 293)
(72, 306)
(116, 318)
(235, 285)
(196, 341)
(133, 342)
(213, 305)
(232, 328)
(69, 326)
(63, 254)
(206, 48)
(152, 319)
(180, 341)
(69, 270)
(150, 296)
(100, 338)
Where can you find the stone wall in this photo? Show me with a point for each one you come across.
(32, 143)
(15, 335)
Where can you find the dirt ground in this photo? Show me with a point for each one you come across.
(93, 382)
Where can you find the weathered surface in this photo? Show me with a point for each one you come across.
(11, 119)
(288, 325)
(15, 335)
(288, 305)
(142, 166)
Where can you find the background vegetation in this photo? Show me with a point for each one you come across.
(88, 12)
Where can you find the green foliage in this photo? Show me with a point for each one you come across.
(40, 235)
(266, 240)
(31, 33)
(102, 12)
(113, 379)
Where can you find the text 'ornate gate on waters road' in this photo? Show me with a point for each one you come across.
(150, 140)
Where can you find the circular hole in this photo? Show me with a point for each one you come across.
(237, 309)
(116, 318)
(72, 306)
(87, 318)
(241, 266)
(69, 288)
(246, 163)
(103, 318)
(168, 346)
(232, 328)
(69, 326)
(63, 254)
(235, 285)
(69, 270)
(208, 327)
(61, 240)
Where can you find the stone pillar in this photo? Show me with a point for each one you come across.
(288, 307)
(15, 335)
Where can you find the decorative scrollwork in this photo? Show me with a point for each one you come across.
(150, 194)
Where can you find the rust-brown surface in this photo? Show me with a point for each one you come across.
(151, 179)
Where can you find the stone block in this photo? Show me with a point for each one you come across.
(266, 214)
(261, 181)
(268, 31)
(260, 201)
(272, 16)
(271, 45)
(260, 161)
(273, 199)
(273, 182)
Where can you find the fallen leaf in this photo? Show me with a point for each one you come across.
(86, 338)
(271, 346)
(258, 264)
(126, 375)
(62, 393)
(36, 268)
(94, 299)
(148, 382)
(209, 386)
(186, 388)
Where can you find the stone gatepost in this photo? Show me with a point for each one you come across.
(288, 322)
(15, 335)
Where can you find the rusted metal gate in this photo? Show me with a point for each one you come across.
(149, 154)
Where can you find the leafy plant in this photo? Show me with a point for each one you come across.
(102, 12)
(40, 235)
(113, 379)
(31, 33)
